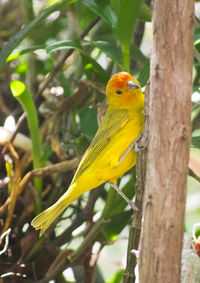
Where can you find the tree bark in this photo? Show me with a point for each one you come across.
(169, 137)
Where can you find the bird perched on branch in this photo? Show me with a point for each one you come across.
(111, 152)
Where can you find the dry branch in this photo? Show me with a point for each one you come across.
(63, 166)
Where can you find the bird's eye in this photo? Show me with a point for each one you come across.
(118, 91)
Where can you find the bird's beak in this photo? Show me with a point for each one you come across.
(132, 85)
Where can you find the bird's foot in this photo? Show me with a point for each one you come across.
(131, 203)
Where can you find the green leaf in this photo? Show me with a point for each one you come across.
(21, 68)
(195, 142)
(88, 122)
(110, 50)
(103, 9)
(117, 277)
(136, 53)
(15, 55)
(18, 88)
(21, 93)
(145, 13)
(47, 152)
(91, 65)
(195, 112)
(17, 38)
(197, 36)
(115, 5)
(117, 223)
(64, 44)
(144, 74)
(128, 13)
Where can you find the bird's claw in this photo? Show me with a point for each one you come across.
(138, 148)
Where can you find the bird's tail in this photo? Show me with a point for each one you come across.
(46, 218)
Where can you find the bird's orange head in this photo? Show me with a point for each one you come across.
(124, 92)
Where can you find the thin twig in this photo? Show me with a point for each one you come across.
(63, 166)
(14, 186)
(59, 65)
(192, 174)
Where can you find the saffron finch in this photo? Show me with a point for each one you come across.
(111, 152)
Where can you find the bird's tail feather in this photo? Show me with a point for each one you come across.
(46, 218)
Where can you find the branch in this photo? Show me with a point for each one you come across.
(49, 170)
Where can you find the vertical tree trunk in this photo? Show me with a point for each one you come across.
(169, 136)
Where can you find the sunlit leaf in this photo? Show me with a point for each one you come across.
(197, 36)
(21, 93)
(21, 68)
(14, 56)
(117, 277)
(17, 88)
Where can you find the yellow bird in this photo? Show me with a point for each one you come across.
(111, 152)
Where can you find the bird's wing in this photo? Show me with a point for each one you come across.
(113, 121)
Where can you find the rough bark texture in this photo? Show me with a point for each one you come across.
(169, 136)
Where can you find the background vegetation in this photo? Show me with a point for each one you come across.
(64, 52)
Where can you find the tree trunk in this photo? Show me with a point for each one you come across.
(169, 137)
